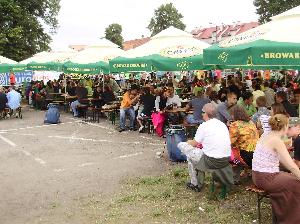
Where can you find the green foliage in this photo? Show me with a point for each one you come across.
(268, 8)
(22, 23)
(164, 17)
(114, 33)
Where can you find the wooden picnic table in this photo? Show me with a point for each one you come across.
(178, 110)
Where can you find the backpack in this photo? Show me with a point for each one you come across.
(52, 114)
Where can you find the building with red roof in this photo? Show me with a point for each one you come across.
(215, 34)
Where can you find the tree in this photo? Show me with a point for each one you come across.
(268, 8)
(23, 26)
(164, 17)
(114, 33)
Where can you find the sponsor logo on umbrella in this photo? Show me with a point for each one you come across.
(280, 55)
(184, 65)
(223, 56)
(142, 65)
(180, 51)
(244, 38)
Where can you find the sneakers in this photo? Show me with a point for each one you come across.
(193, 187)
(141, 129)
(121, 130)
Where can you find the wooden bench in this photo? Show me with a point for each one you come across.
(82, 109)
(261, 194)
(111, 114)
(147, 122)
(95, 113)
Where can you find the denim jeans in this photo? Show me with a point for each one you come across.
(74, 106)
(130, 111)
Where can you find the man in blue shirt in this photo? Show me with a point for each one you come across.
(196, 104)
(13, 100)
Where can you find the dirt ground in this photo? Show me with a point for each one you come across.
(46, 171)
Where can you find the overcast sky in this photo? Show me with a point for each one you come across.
(83, 21)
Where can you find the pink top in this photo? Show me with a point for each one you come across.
(265, 160)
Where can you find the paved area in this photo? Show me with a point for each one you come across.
(46, 169)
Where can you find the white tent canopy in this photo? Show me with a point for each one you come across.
(283, 28)
(103, 50)
(59, 55)
(168, 38)
(4, 60)
(289, 13)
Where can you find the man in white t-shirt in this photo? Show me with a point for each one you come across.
(173, 99)
(213, 135)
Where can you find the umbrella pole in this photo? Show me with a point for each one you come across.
(285, 78)
(65, 82)
(103, 77)
(243, 77)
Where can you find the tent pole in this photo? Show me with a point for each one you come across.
(65, 83)
(103, 77)
(285, 78)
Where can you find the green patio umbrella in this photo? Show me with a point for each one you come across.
(170, 50)
(7, 65)
(45, 66)
(49, 61)
(274, 45)
(94, 59)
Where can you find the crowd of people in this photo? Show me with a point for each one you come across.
(243, 121)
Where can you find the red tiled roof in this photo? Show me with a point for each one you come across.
(130, 44)
(224, 31)
(248, 26)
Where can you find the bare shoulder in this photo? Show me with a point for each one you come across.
(270, 141)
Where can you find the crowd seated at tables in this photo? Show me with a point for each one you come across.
(242, 123)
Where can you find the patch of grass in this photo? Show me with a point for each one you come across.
(165, 199)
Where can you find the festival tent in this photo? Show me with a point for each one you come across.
(170, 50)
(49, 61)
(94, 59)
(273, 45)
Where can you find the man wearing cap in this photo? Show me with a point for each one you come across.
(3, 101)
(213, 135)
(294, 132)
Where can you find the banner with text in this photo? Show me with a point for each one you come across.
(20, 78)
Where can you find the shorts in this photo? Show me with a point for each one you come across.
(191, 120)
(141, 116)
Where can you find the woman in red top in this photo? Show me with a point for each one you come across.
(12, 78)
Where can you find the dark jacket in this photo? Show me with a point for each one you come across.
(290, 109)
(82, 94)
(3, 101)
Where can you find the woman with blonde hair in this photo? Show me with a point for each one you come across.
(283, 187)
